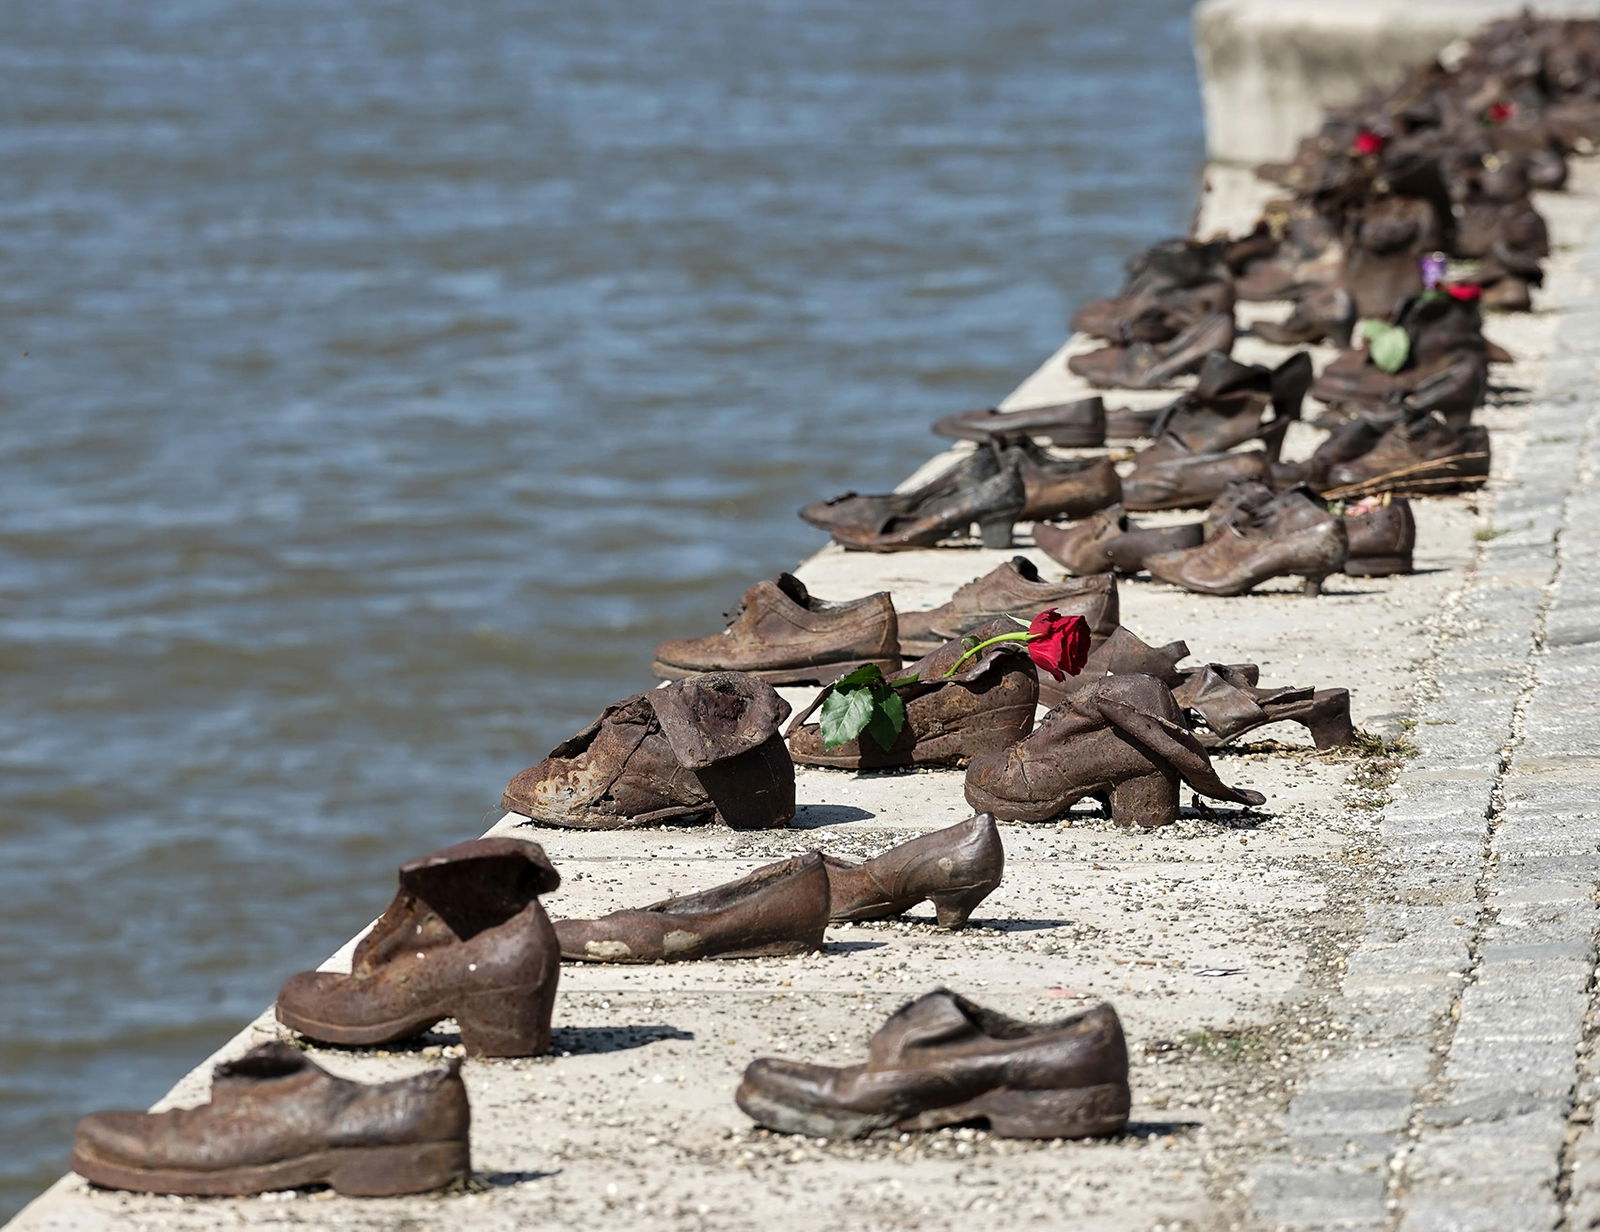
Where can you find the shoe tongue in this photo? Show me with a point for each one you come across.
(793, 588)
(935, 1018)
(717, 715)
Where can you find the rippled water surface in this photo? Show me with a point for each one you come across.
(380, 382)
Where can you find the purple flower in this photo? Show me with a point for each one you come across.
(1433, 268)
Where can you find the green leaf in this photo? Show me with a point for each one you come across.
(1390, 349)
(893, 710)
(844, 715)
(863, 675)
(881, 730)
(1369, 326)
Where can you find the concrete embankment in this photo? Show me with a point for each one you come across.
(1365, 1005)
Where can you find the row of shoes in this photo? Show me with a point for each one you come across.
(466, 938)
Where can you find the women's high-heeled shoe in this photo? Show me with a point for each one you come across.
(464, 937)
(955, 869)
(1111, 540)
(1293, 536)
(1231, 706)
(1122, 741)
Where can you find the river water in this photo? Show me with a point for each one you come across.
(380, 382)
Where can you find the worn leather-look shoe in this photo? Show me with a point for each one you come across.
(776, 910)
(276, 1120)
(1382, 539)
(699, 749)
(1064, 487)
(942, 1060)
(783, 634)
(857, 514)
(1012, 589)
(1422, 455)
(1176, 477)
(463, 938)
(1146, 365)
(1294, 535)
(1074, 425)
(955, 869)
(1124, 653)
(1225, 408)
(985, 706)
(1111, 540)
(1230, 705)
(1123, 741)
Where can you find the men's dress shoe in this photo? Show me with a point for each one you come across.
(783, 634)
(1122, 741)
(1291, 537)
(1155, 366)
(1124, 653)
(1110, 540)
(278, 1121)
(1325, 314)
(955, 869)
(994, 505)
(1230, 705)
(985, 706)
(464, 937)
(1012, 589)
(1064, 487)
(1382, 539)
(856, 514)
(699, 749)
(1176, 477)
(1225, 407)
(1073, 425)
(1420, 455)
(776, 910)
(942, 1060)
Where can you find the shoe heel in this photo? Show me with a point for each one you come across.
(996, 533)
(1147, 801)
(1377, 566)
(1333, 729)
(954, 907)
(508, 1022)
(384, 1171)
(1079, 1112)
(1313, 586)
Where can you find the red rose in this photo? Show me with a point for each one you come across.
(1465, 291)
(1367, 142)
(1499, 113)
(1059, 644)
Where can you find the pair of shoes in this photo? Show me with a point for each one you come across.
(1122, 740)
(785, 908)
(1111, 540)
(699, 749)
(1146, 365)
(942, 1060)
(1230, 705)
(1293, 534)
(1418, 454)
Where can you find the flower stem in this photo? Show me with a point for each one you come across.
(1004, 637)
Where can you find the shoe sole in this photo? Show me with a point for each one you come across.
(818, 674)
(367, 1172)
(1078, 1112)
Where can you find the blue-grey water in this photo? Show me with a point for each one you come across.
(379, 382)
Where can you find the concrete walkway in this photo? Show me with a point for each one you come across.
(1364, 1005)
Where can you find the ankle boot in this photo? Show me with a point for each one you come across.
(1224, 408)
(463, 938)
(1122, 741)
(985, 706)
(1064, 487)
(1124, 653)
(1382, 538)
(955, 869)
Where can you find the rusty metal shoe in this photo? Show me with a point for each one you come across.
(1176, 477)
(1294, 535)
(1111, 540)
(1324, 314)
(779, 909)
(1418, 455)
(1064, 487)
(1124, 653)
(942, 1060)
(994, 504)
(1225, 407)
(1382, 538)
(1181, 273)
(700, 749)
(783, 634)
(1147, 365)
(1122, 741)
(1229, 705)
(985, 706)
(463, 938)
(1012, 589)
(955, 869)
(1073, 425)
(276, 1120)
(857, 514)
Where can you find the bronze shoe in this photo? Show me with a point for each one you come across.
(1230, 705)
(463, 938)
(1122, 741)
(1147, 365)
(1111, 540)
(1382, 539)
(995, 505)
(1124, 653)
(1420, 455)
(1064, 487)
(855, 514)
(955, 869)
(1181, 275)
(1293, 536)
(782, 634)
(276, 1120)
(1175, 477)
(942, 1060)
(985, 706)
(1325, 314)
(1012, 589)
(1224, 408)
(700, 749)
(779, 909)
(1073, 425)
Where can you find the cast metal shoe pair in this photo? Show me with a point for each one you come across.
(1294, 534)
(1229, 705)
(1016, 589)
(277, 1121)
(1111, 540)
(699, 749)
(943, 1060)
(785, 908)
(465, 937)
(1146, 365)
